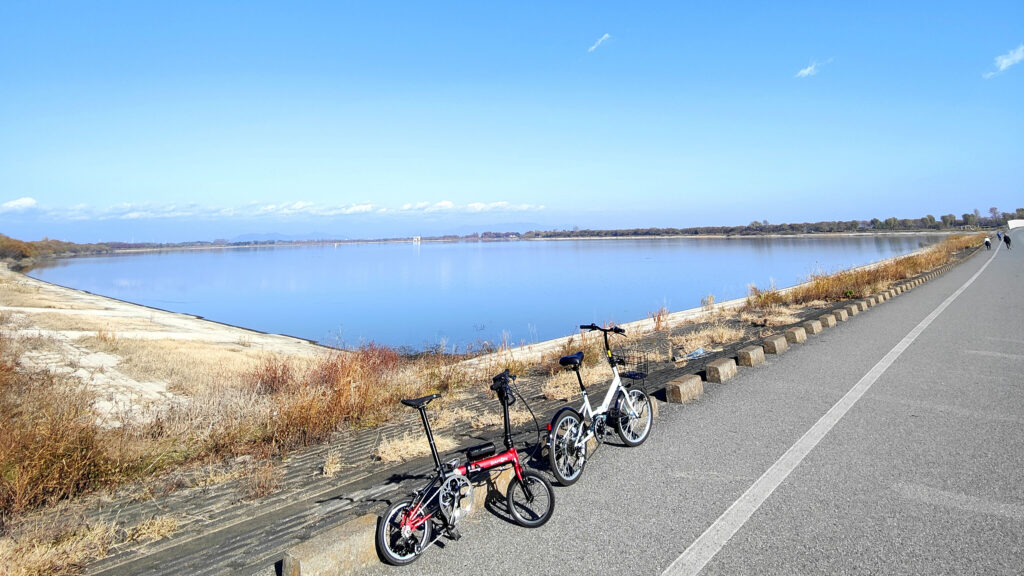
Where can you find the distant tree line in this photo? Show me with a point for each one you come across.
(23, 254)
(13, 249)
(994, 218)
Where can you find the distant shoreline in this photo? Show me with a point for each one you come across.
(317, 243)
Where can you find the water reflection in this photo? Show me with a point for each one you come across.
(462, 293)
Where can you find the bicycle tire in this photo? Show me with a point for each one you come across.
(626, 425)
(393, 547)
(526, 511)
(565, 460)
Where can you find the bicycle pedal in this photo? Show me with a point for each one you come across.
(453, 533)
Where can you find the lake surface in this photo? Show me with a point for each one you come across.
(461, 294)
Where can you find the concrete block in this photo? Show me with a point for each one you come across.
(812, 327)
(796, 335)
(827, 320)
(721, 370)
(750, 356)
(842, 315)
(852, 309)
(862, 304)
(775, 345)
(684, 389)
(340, 550)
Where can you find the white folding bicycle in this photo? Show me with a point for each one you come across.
(624, 408)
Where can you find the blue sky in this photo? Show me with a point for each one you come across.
(194, 121)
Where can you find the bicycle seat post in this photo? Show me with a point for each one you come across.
(430, 438)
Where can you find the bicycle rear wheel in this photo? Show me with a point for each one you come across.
(532, 501)
(396, 547)
(566, 455)
(633, 430)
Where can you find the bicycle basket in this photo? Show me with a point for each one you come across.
(634, 362)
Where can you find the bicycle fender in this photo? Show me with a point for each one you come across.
(558, 414)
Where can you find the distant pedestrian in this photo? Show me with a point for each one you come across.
(999, 235)
(1006, 238)
(988, 244)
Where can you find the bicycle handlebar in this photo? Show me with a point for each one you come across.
(502, 380)
(592, 326)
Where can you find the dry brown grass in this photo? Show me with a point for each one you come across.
(407, 446)
(186, 366)
(217, 476)
(45, 546)
(862, 282)
(769, 317)
(86, 323)
(460, 418)
(660, 319)
(707, 303)
(55, 550)
(332, 464)
(563, 385)
(156, 528)
(710, 336)
(51, 447)
(261, 479)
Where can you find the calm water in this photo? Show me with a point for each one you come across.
(461, 293)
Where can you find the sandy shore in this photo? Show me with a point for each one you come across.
(70, 332)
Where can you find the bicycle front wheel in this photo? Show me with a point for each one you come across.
(566, 454)
(532, 501)
(397, 545)
(633, 430)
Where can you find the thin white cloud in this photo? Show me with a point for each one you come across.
(301, 208)
(1004, 61)
(19, 205)
(811, 70)
(501, 207)
(599, 42)
(340, 210)
(443, 205)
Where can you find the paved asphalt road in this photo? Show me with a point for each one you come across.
(924, 474)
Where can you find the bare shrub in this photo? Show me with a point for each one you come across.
(261, 479)
(332, 464)
(707, 303)
(660, 319)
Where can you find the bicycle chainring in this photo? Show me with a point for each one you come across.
(455, 498)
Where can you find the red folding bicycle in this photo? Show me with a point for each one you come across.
(407, 527)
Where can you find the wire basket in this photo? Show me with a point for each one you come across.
(634, 363)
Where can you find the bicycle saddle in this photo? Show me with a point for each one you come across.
(573, 361)
(420, 402)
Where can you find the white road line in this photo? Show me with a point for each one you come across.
(704, 548)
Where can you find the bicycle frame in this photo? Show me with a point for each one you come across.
(587, 411)
(426, 503)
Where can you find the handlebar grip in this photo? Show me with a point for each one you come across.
(502, 380)
(590, 326)
(618, 330)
